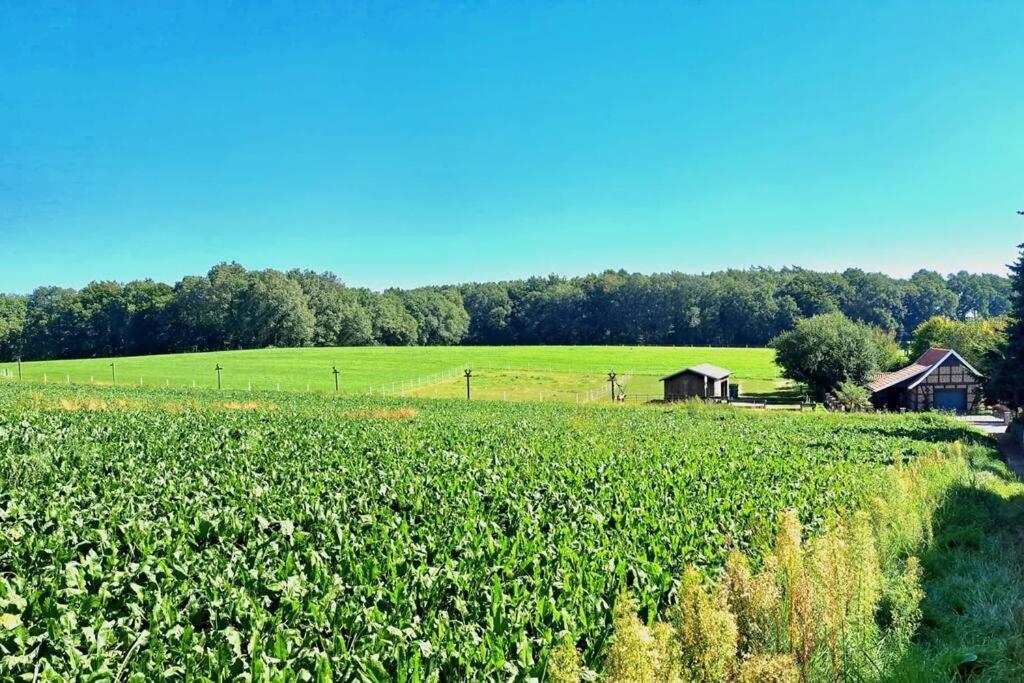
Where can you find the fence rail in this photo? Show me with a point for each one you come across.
(399, 387)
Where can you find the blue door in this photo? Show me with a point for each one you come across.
(951, 399)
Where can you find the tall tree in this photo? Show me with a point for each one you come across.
(974, 339)
(104, 319)
(195, 320)
(815, 293)
(272, 311)
(1005, 366)
(340, 318)
(148, 329)
(980, 295)
(490, 310)
(440, 316)
(225, 309)
(12, 325)
(53, 324)
(873, 298)
(392, 323)
(927, 295)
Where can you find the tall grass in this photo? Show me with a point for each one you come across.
(844, 605)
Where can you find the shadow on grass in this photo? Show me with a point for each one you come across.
(927, 431)
(973, 612)
(790, 393)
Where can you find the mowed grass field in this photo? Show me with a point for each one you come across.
(500, 372)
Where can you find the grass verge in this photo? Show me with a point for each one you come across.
(922, 584)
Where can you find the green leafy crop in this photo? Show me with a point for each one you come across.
(189, 535)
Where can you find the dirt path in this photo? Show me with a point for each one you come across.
(1008, 446)
(1012, 453)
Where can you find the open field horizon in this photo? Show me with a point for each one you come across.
(518, 372)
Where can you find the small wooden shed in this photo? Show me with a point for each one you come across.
(939, 380)
(700, 381)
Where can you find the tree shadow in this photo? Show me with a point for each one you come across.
(927, 431)
(972, 624)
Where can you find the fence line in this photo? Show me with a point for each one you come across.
(399, 387)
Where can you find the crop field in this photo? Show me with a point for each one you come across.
(149, 534)
(567, 373)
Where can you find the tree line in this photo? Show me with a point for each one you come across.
(233, 308)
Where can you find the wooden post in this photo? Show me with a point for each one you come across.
(218, 368)
(468, 373)
(335, 371)
(611, 381)
(113, 375)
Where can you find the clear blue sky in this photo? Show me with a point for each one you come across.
(410, 143)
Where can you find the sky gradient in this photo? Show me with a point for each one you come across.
(414, 143)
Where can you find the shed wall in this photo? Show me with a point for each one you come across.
(691, 385)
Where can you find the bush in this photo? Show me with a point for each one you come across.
(852, 396)
(827, 350)
(973, 339)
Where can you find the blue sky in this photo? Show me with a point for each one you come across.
(411, 143)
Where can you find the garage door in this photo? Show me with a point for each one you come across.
(951, 399)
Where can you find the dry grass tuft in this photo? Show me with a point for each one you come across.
(705, 629)
(812, 612)
(565, 664)
(632, 655)
(248, 406)
(403, 413)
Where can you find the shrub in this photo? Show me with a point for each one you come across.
(565, 664)
(842, 606)
(826, 350)
(852, 396)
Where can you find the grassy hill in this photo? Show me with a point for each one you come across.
(513, 372)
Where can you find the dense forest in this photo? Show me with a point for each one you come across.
(231, 307)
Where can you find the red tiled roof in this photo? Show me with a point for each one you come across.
(919, 368)
(931, 357)
(887, 379)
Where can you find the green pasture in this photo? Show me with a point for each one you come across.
(512, 372)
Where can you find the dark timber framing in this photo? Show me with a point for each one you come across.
(939, 379)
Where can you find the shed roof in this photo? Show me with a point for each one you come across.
(918, 370)
(705, 369)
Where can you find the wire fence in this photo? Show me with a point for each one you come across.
(399, 387)
(597, 388)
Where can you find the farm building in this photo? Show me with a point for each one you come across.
(939, 380)
(700, 381)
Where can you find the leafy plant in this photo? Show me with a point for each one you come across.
(852, 396)
(165, 533)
